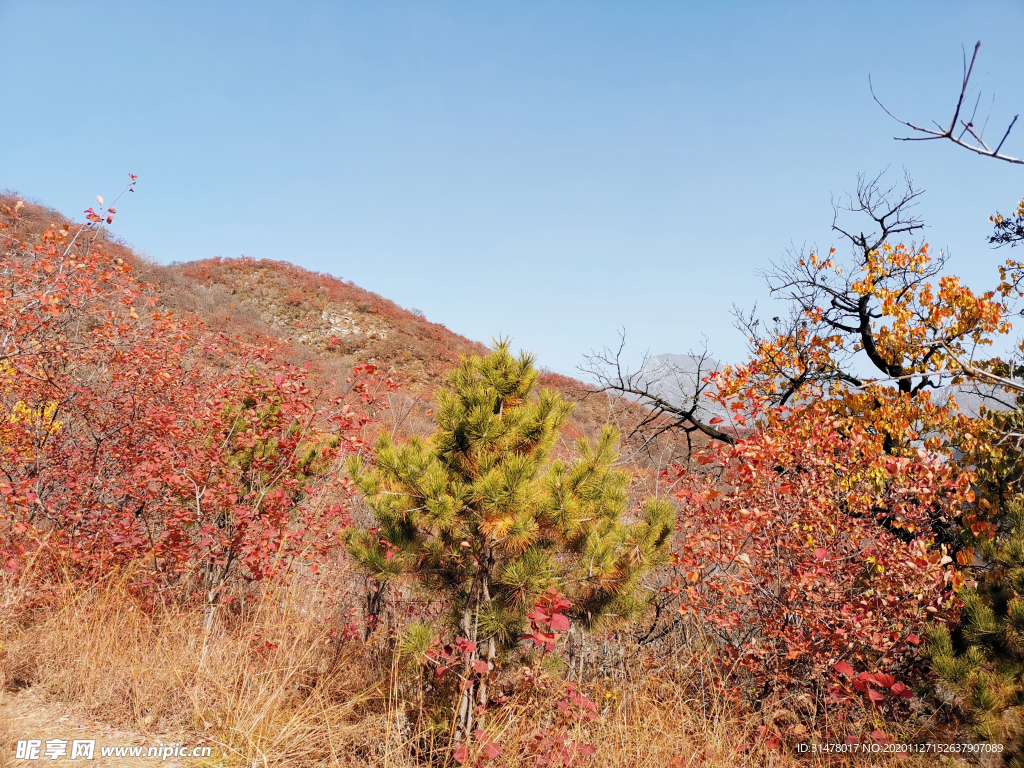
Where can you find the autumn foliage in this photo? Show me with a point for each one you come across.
(809, 548)
(137, 438)
(818, 541)
(337, 318)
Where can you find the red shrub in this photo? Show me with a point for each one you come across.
(807, 547)
(131, 436)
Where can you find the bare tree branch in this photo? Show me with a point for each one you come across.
(965, 127)
(663, 413)
(892, 215)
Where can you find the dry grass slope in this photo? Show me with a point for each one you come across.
(278, 684)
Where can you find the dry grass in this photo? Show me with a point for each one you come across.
(270, 683)
(278, 684)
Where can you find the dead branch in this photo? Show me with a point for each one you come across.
(662, 414)
(958, 127)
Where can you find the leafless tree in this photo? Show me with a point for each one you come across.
(786, 371)
(961, 130)
(647, 385)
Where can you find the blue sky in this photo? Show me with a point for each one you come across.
(550, 171)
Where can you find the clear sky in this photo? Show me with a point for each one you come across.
(547, 170)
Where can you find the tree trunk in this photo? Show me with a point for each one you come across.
(464, 716)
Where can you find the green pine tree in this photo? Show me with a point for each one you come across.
(981, 661)
(482, 516)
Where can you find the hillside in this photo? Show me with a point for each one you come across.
(331, 325)
(334, 319)
(334, 324)
(167, 479)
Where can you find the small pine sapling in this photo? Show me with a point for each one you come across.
(480, 515)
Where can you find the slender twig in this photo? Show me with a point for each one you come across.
(979, 146)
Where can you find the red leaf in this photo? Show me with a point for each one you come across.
(843, 668)
(559, 622)
(875, 696)
(480, 666)
(899, 689)
(913, 639)
(716, 420)
(886, 681)
(820, 553)
(461, 754)
(492, 750)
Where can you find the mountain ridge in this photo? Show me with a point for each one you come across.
(327, 324)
